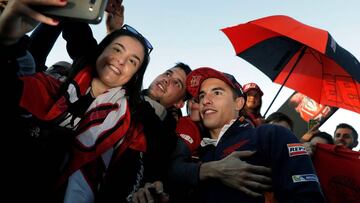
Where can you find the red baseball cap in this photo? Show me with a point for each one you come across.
(252, 86)
(197, 76)
(189, 132)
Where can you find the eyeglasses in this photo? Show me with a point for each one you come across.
(134, 31)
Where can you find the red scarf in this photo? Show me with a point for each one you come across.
(104, 124)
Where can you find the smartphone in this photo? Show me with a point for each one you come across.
(312, 123)
(90, 11)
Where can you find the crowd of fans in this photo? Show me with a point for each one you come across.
(87, 131)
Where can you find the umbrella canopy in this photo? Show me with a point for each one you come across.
(301, 57)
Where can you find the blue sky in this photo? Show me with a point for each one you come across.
(189, 31)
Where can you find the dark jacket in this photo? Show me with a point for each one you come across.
(145, 160)
(28, 169)
(293, 175)
(30, 153)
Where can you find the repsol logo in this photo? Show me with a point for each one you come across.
(296, 149)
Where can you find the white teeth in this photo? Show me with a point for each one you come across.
(208, 111)
(161, 87)
(113, 68)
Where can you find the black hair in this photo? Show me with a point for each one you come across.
(325, 136)
(278, 117)
(236, 94)
(345, 125)
(186, 68)
(237, 90)
(134, 85)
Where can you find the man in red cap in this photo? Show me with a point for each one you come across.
(221, 98)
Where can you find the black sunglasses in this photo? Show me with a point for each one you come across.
(134, 31)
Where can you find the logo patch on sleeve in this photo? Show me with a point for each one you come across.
(305, 178)
(296, 149)
(187, 138)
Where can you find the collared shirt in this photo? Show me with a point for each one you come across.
(209, 141)
(293, 175)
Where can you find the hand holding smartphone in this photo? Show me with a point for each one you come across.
(312, 123)
(90, 11)
(313, 127)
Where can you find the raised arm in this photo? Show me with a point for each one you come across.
(18, 18)
(114, 15)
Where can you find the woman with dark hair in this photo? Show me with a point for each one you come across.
(98, 101)
(117, 80)
(253, 104)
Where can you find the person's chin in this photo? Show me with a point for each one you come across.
(208, 122)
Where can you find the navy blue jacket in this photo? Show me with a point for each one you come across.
(293, 175)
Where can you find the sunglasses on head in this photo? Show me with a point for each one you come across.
(134, 31)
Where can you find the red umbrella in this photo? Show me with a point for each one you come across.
(301, 57)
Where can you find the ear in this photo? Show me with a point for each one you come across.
(240, 101)
(355, 143)
(179, 104)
